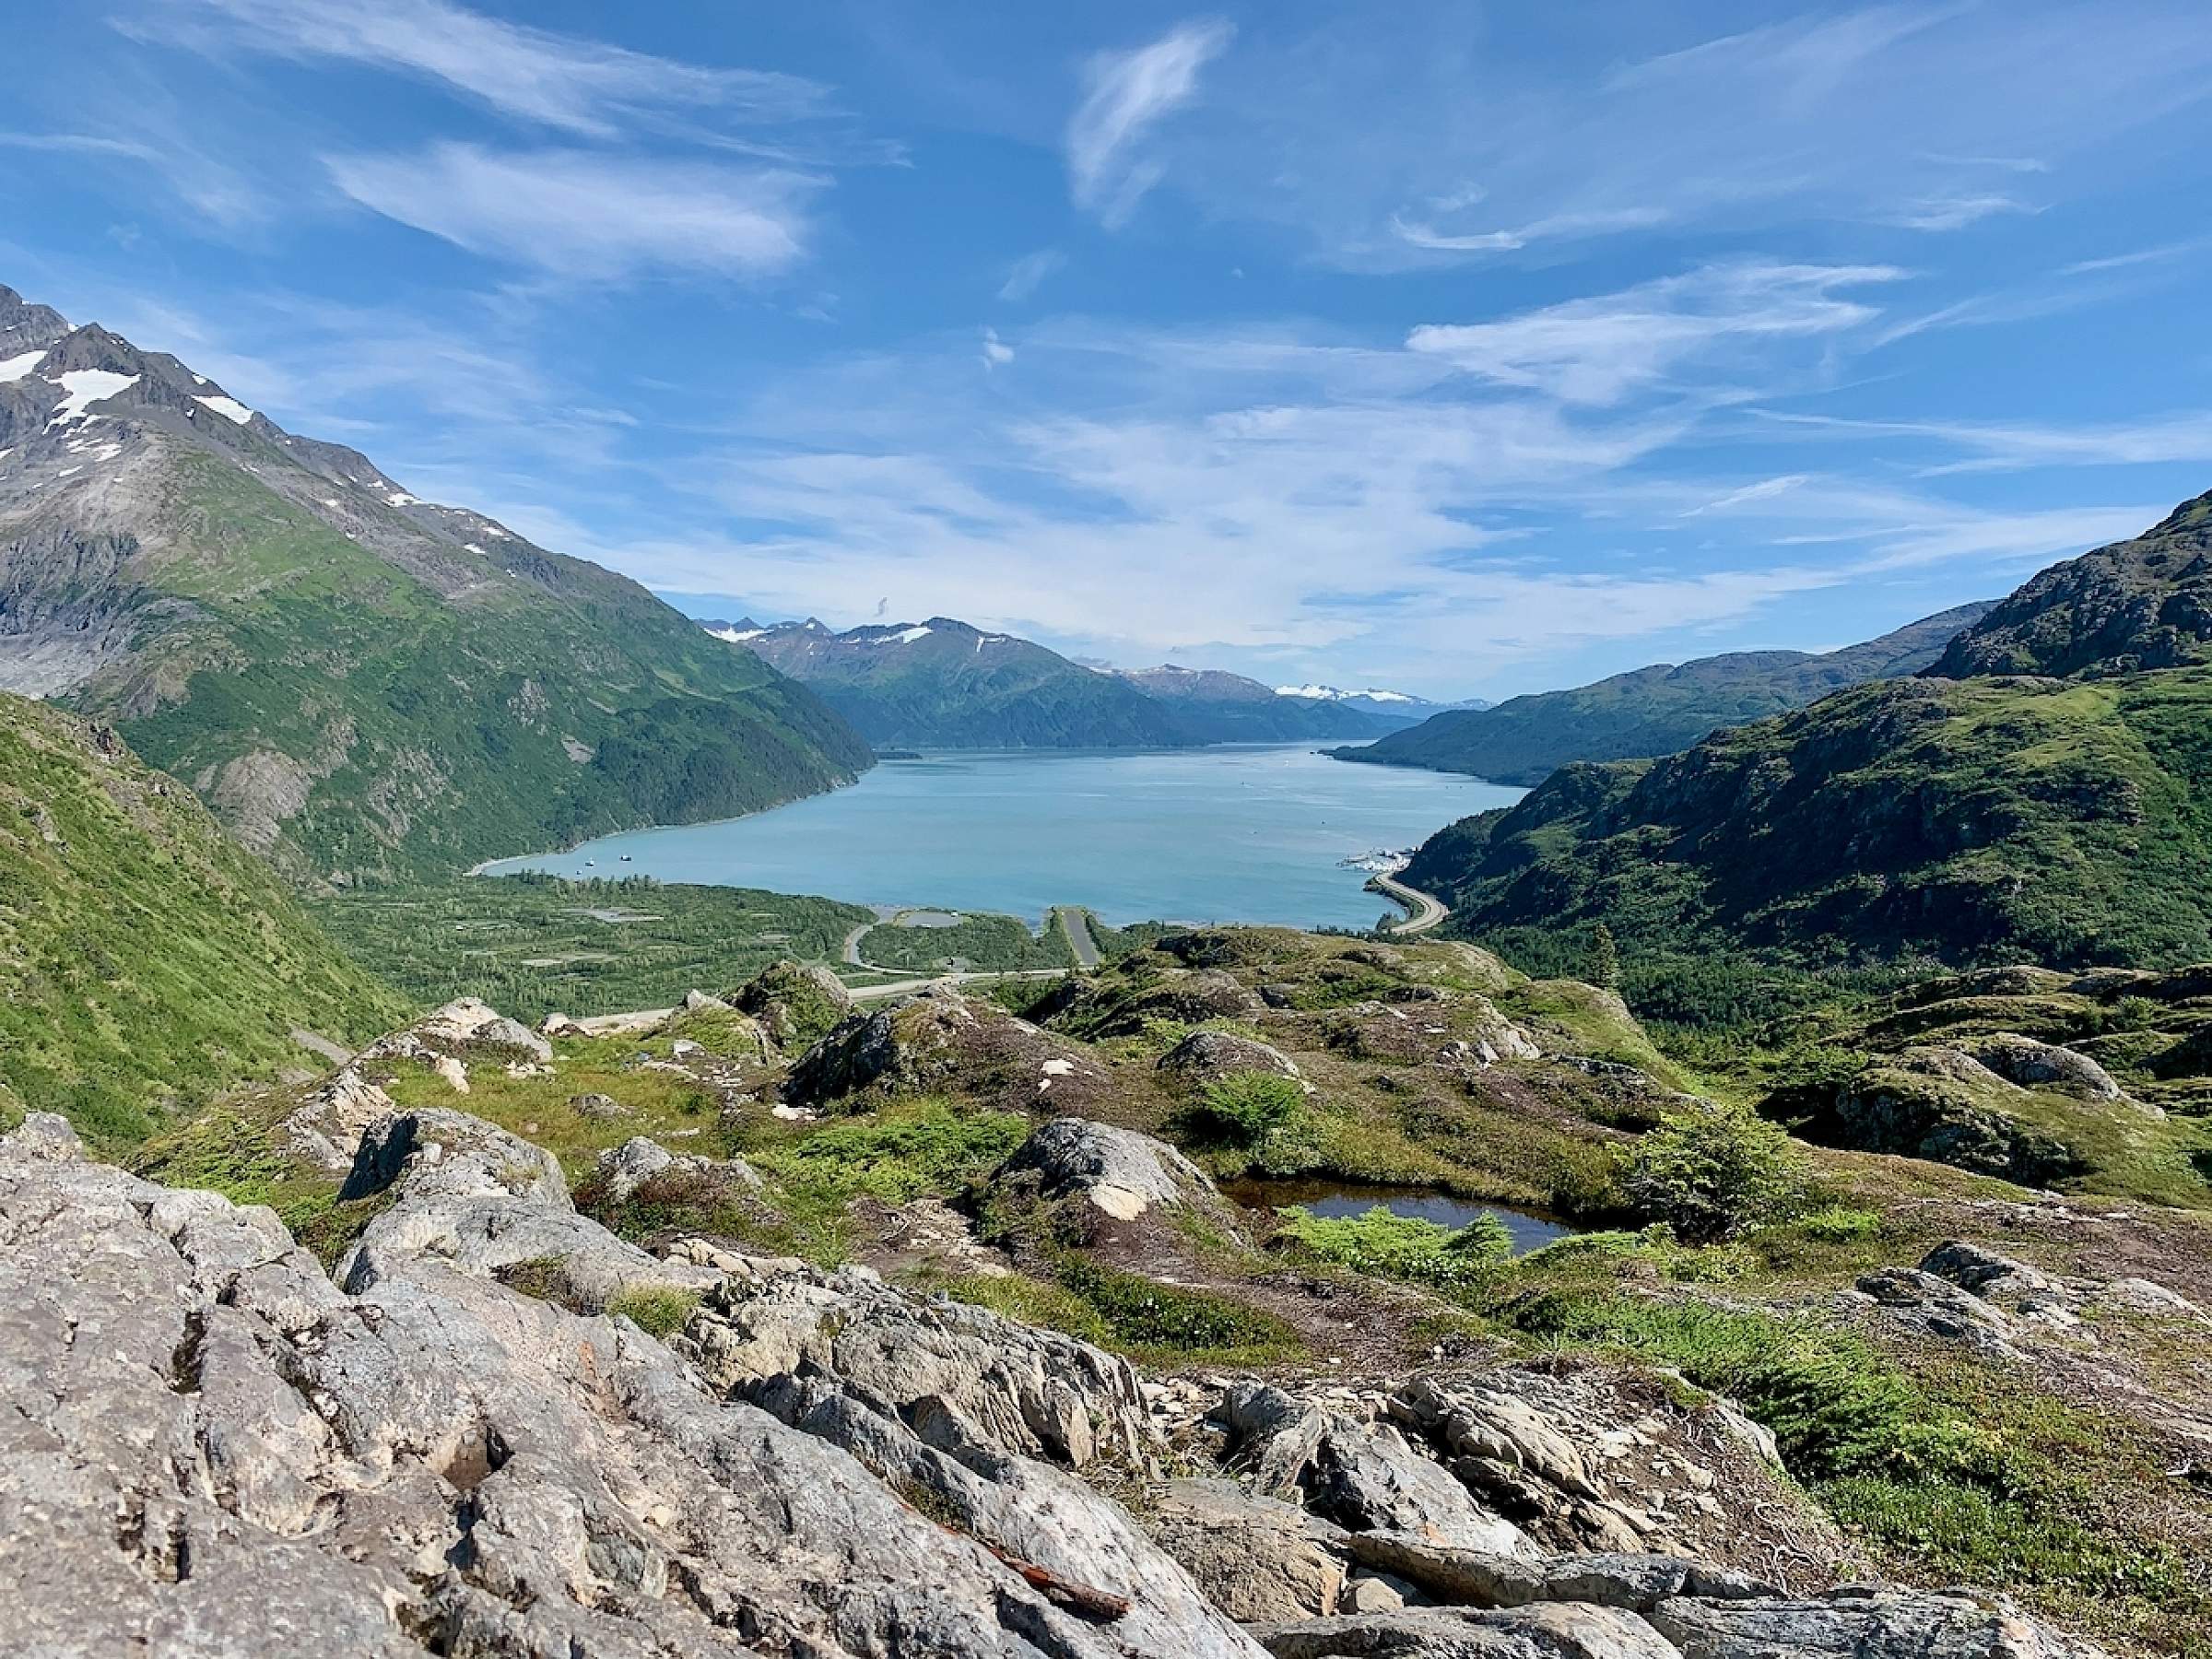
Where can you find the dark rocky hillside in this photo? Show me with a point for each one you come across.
(2136, 605)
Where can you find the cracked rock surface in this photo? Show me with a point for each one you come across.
(212, 1450)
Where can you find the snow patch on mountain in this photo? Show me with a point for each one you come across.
(16, 368)
(230, 408)
(82, 388)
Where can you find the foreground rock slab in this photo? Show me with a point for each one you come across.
(210, 1450)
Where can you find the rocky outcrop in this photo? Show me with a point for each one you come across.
(1361, 1476)
(1847, 1624)
(2033, 1064)
(1947, 1106)
(622, 1170)
(955, 1372)
(1205, 1057)
(941, 1040)
(1965, 1293)
(482, 1202)
(211, 1448)
(796, 1006)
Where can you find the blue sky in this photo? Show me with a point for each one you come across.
(1469, 349)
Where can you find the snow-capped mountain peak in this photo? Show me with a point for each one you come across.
(1337, 694)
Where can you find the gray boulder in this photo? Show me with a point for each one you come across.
(1256, 1558)
(980, 1378)
(1118, 1171)
(2033, 1064)
(622, 1170)
(1205, 1057)
(1361, 1476)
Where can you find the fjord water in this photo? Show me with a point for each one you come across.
(1251, 833)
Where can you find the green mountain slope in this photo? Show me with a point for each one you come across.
(1653, 711)
(145, 957)
(941, 684)
(362, 685)
(1981, 819)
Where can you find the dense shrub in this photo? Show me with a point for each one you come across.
(1712, 1171)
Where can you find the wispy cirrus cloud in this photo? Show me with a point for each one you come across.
(1028, 272)
(1128, 93)
(204, 184)
(1602, 350)
(587, 215)
(581, 85)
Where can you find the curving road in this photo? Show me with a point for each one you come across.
(1427, 910)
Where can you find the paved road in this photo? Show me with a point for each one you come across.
(1428, 910)
(907, 988)
(853, 941)
(1078, 934)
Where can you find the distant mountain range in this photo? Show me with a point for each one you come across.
(943, 684)
(1653, 711)
(2043, 790)
(359, 683)
(1396, 705)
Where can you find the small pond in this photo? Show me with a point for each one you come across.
(1530, 1228)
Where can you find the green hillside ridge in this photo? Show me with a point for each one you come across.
(364, 687)
(1652, 710)
(1979, 820)
(146, 961)
(1974, 820)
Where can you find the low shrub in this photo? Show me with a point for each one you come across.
(656, 1309)
(1404, 1247)
(1261, 1120)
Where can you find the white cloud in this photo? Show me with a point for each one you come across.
(1027, 272)
(1953, 212)
(203, 184)
(1565, 226)
(1351, 130)
(581, 215)
(996, 351)
(1603, 349)
(559, 80)
(1129, 92)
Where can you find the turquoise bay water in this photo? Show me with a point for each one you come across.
(1241, 834)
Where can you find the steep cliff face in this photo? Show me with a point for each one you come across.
(359, 682)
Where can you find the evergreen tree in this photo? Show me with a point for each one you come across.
(1604, 958)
